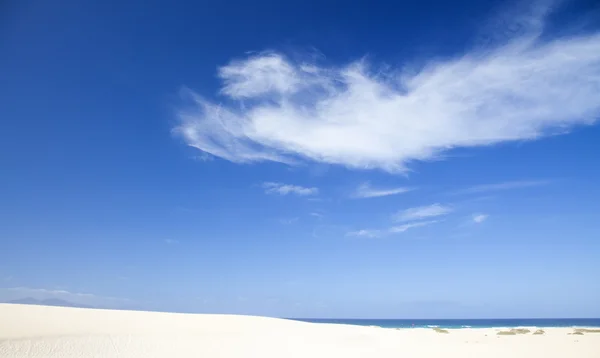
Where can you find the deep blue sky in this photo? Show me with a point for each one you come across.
(100, 195)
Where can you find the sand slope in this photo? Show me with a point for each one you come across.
(40, 331)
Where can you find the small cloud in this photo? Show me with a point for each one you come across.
(317, 215)
(285, 189)
(366, 191)
(485, 188)
(422, 212)
(204, 157)
(392, 230)
(366, 233)
(289, 221)
(171, 241)
(48, 291)
(403, 228)
(479, 218)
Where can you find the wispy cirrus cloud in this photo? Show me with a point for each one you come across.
(519, 87)
(366, 233)
(507, 185)
(372, 233)
(422, 212)
(365, 190)
(285, 189)
(404, 227)
(28, 290)
(317, 215)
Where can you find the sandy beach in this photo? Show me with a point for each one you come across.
(40, 331)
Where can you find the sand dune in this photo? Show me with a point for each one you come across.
(40, 331)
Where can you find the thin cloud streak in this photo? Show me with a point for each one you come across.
(372, 233)
(403, 228)
(366, 233)
(509, 185)
(363, 117)
(365, 191)
(285, 189)
(423, 212)
(49, 292)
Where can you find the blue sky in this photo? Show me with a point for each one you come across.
(425, 159)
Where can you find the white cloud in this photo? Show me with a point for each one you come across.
(366, 191)
(285, 189)
(392, 230)
(366, 233)
(403, 228)
(289, 221)
(479, 218)
(477, 189)
(317, 215)
(422, 212)
(276, 109)
(203, 157)
(48, 292)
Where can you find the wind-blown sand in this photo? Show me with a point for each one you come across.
(40, 331)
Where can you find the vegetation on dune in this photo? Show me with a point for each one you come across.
(587, 330)
(539, 331)
(520, 330)
(506, 333)
(439, 330)
(514, 332)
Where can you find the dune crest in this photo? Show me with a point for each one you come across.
(42, 331)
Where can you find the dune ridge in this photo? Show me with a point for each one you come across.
(43, 331)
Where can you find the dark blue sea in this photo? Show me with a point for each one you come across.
(464, 323)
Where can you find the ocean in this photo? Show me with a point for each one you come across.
(463, 323)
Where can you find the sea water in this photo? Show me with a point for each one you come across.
(463, 323)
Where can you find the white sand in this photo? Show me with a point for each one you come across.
(39, 331)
